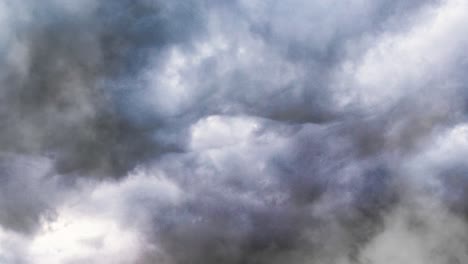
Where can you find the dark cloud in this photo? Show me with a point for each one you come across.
(27, 193)
(59, 102)
(233, 132)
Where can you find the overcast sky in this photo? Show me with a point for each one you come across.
(234, 132)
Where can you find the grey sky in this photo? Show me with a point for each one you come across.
(246, 131)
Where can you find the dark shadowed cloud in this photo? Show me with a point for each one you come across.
(243, 131)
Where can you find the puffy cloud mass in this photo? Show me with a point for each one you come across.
(246, 131)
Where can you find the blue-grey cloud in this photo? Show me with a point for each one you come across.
(241, 131)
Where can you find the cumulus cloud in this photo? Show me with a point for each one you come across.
(240, 131)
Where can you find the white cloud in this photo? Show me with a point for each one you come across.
(222, 131)
(415, 60)
(419, 233)
(74, 236)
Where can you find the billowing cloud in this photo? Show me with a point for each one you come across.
(240, 131)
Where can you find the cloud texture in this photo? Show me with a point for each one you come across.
(247, 131)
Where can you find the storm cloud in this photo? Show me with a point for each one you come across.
(244, 131)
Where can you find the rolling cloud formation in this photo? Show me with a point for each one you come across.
(247, 131)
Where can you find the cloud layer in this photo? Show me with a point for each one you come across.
(240, 131)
